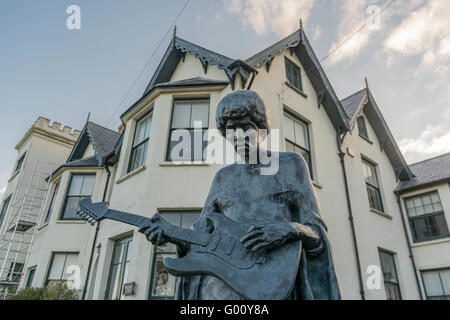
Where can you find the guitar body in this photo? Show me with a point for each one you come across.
(260, 275)
(256, 275)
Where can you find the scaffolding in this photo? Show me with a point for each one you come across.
(19, 230)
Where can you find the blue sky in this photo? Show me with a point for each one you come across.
(48, 70)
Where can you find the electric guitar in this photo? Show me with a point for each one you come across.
(260, 275)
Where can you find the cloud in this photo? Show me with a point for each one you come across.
(361, 20)
(2, 192)
(424, 33)
(353, 14)
(317, 33)
(433, 141)
(280, 17)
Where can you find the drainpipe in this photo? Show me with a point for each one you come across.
(91, 257)
(409, 246)
(350, 216)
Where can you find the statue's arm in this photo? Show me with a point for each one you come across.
(306, 227)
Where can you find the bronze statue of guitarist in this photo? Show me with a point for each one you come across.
(260, 236)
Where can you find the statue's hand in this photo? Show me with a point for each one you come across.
(155, 231)
(269, 236)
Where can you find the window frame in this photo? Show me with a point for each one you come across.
(5, 208)
(20, 161)
(424, 216)
(168, 150)
(126, 241)
(156, 252)
(288, 81)
(365, 133)
(440, 279)
(66, 196)
(30, 277)
(397, 284)
(52, 202)
(365, 161)
(309, 152)
(143, 142)
(52, 259)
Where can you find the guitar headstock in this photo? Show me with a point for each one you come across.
(92, 212)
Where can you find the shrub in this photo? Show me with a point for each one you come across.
(53, 291)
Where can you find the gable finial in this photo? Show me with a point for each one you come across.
(301, 24)
(174, 31)
(88, 117)
(367, 82)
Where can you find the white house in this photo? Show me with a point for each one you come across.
(354, 162)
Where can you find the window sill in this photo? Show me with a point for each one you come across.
(43, 226)
(131, 174)
(13, 175)
(70, 222)
(430, 242)
(365, 138)
(184, 164)
(383, 214)
(317, 184)
(304, 95)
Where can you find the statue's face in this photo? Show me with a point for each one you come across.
(244, 131)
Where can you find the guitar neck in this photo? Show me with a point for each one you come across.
(174, 232)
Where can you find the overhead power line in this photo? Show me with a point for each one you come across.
(148, 61)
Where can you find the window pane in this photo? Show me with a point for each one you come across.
(445, 278)
(420, 229)
(172, 218)
(163, 282)
(301, 135)
(289, 147)
(70, 210)
(71, 260)
(141, 131)
(188, 219)
(88, 185)
(435, 197)
(138, 156)
(433, 286)
(374, 198)
(362, 126)
(392, 291)
(437, 207)
(57, 267)
(181, 115)
(163, 285)
(200, 112)
(289, 128)
(75, 185)
(119, 268)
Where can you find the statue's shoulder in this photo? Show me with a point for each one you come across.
(293, 163)
(225, 171)
(292, 158)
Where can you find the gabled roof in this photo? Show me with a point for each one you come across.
(175, 52)
(428, 172)
(363, 100)
(103, 141)
(297, 41)
(351, 103)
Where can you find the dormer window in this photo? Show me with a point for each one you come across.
(362, 128)
(293, 75)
